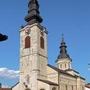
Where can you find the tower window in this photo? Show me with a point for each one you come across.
(27, 89)
(42, 89)
(54, 88)
(42, 42)
(27, 42)
(60, 65)
(69, 65)
(72, 87)
(65, 65)
(82, 87)
(66, 87)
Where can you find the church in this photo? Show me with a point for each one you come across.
(35, 72)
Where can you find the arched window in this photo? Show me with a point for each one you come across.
(65, 65)
(54, 88)
(69, 65)
(27, 42)
(66, 87)
(83, 88)
(42, 42)
(72, 87)
(60, 65)
(42, 89)
(27, 89)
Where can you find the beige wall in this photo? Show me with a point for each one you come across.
(17, 87)
(33, 60)
(66, 82)
(52, 75)
(42, 85)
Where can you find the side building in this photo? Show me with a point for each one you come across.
(2, 88)
(35, 72)
(66, 77)
(87, 86)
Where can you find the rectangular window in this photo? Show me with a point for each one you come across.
(66, 87)
(72, 87)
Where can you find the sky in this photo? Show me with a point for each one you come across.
(70, 17)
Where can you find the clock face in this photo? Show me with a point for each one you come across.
(42, 33)
(27, 30)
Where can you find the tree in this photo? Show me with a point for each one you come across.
(3, 37)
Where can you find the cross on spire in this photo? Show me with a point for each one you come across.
(62, 37)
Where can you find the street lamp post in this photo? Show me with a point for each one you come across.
(3, 37)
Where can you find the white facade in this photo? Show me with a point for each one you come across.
(35, 72)
(33, 60)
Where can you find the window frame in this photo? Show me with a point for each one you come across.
(27, 42)
(42, 42)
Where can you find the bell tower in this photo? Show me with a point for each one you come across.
(33, 48)
(63, 60)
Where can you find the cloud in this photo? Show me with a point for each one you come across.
(5, 86)
(5, 72)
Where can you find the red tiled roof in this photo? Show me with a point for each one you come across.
(88, 85)
(5, 89)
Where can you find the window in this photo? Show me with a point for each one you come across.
(42, 42)
(60, 65)
(54, 88)
(72, 87)
(27, 89)
(42, 89)
(66, 88)
(65, 65)
(27, 42)
(69, 65)
(83, 88)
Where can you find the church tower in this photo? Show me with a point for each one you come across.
(63, 60)
(33, 48)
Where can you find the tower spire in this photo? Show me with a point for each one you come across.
(33, 13)
(63, 50)
(63, 61)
